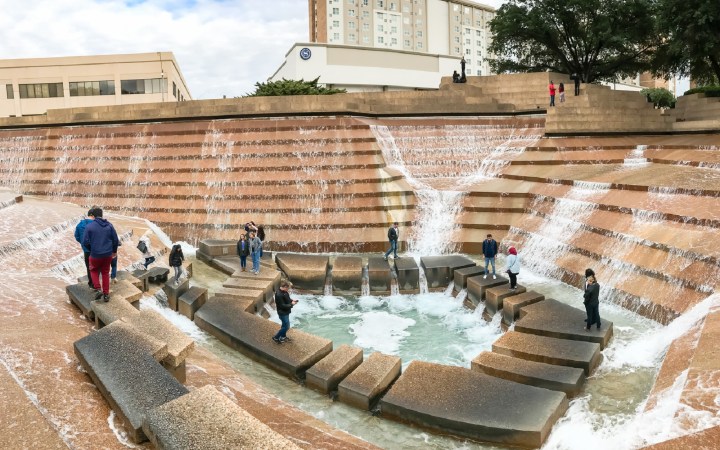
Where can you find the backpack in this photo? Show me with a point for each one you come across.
(142, 247)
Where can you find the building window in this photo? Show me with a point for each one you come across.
(393, 29)
(381, 40)
(393, 41)
(392, 6)
(147, 86)
(366, 27)
(419, 34)
(478, 33)
(336, 36)
(366, 39)
(479, 52)
(351, 25)
(380, 28)
(467, 30)
(336, 11)
(87, 88)
(479, 44)
(351, 12)
(352, 37)
(336, 23)
(365, 2)
(457, 50)
(406, 8)
(419, 45)
(478, 23)
(41, 90)
(479, 72)
(467, 41)
(380, 3)
(351, 2)
(457, 39)
(407, 42)
(467, 52)
(466, 10)
(10, 93)
(457, 29)
(366, 14)
(174, 90)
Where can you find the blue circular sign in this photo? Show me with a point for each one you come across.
(305, 53)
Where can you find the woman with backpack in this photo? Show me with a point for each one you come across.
(176, 259)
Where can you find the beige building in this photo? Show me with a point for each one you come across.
(367, 45)
(33, 86)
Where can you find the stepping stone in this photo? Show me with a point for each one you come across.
(212, 248)
(379, 275)
(512, 305)
(114, 310)
(266, 286)
(82, 296)
(408, 275)
(561, 352)
(364, 386)
(556, 319)
(473, 404)
(306, 272)
(252, 335)
(157, 275)
(494, 297)
(128, 291)
(206, 419)
(460, 276)
(439, 269)
(266, 274)
(122, 275)
(477, 286)
(122, 364)
(191, 301)
(174, 291)
(548, 376)
(178, 343)
(331, 370)
(255, 297)
(347, 274)
(141, 275)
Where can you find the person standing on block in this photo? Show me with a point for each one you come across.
(592, 302)
(79, 234)
(243, 250)
(513, 267)
(551, 88)
(576, 78)
(175, 260)
(255, 249)
(393, 235)
(490, 249)
(284, 305)
(102, 240)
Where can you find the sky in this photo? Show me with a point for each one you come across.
(223, 47)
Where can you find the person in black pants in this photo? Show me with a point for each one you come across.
(592, 302)
(575, 77)
(393, 235)
(284, 305)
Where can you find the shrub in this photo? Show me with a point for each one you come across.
(709, 91)
(660, 97)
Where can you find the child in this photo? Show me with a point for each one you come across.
(176, 259)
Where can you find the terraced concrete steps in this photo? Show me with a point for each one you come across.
(489, 408)
(326, 375)
(364, 386)
(478, 286)
(494, 297)
(439, 270)
(513, 305)
(306, 272)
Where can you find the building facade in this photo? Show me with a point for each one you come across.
(413, 31)
(33, 86)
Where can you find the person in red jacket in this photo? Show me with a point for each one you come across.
(551, 87)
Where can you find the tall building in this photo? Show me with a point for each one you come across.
(391, 44)
(32, 86)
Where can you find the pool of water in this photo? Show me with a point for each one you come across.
(435, 327)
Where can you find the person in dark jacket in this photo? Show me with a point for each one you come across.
(592, 302)
(102, 240)
(393, 235)
(79, 233)
(284, 305)
(175, 260)
(261, 236)
(243, 251)
(490, 250)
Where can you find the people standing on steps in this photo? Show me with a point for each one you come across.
(513, 267)
(144, 247)
(393, 235)
(102, 240)
(243, 250)
(456, 77)
(79, 234)
(551, 88)
(462, 70)
(175, 260)
(576, 78)
(561, 91)
(261, 236)
(490, 250)
(591, 299)
(250, 227)
(284, 305)
(255, 249)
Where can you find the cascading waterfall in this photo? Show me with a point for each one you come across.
(636, 157)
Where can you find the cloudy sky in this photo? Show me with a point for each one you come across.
(223, 46)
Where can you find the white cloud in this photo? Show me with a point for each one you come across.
(223, 46)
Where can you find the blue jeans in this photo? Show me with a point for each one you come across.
(149, 261)
(113, 268)
(243, 261)
(284, 325)
(393, 249)
(488, 262)
(256, 261)
(552, 100)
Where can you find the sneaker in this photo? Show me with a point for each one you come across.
(285, 339)
(385, 258)
(114, 281)
(484, 277)
(277, 340)
(494, 277)
(106, 298)
(90, 285)
(98, 294)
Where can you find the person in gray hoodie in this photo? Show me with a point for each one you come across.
(255, 249)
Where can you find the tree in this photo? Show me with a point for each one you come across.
(660, 97)
(292, 87)
(597, 39)
(690, 33)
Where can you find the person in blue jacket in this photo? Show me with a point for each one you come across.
(79, 233)
(490, 250)
(102, 240)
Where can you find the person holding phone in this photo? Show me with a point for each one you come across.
(284, 305)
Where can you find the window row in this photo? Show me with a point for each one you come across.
(87, 88)
(91, 88)
(147, 86)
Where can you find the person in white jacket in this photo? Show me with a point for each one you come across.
(144, 247)
(513, 267)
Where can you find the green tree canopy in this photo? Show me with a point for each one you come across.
(292, 87)
(660, 97)
(597, 39)
(690, 34)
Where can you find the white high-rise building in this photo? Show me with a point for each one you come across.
(426, 35)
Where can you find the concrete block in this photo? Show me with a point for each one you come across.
(331, 370)
(494, 297)
(347, 274)
(255, 297)
(191, 301)
(379, 275)
(218, 247)
(306, 272)
(109, 312)
(157, 275)
(512, 305)
(173, 291)
(477, 286)
(266, 274)
(364, 386)
(472, 404)
(82, 296)
(439, 270)
(460, 276)
(251, 284)
(408, 275)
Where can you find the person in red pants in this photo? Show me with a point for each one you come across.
(102, 240)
